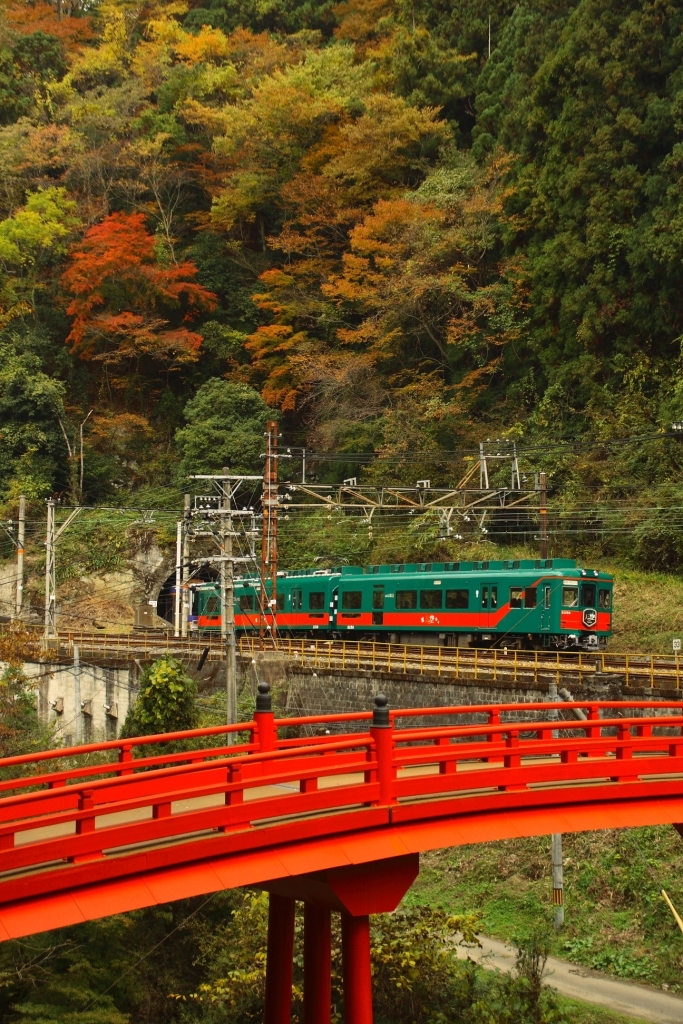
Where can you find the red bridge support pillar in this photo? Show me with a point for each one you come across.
(355, 891)
(356, 969)
(279, 960)
(317, 964)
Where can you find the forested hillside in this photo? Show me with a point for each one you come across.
(355, 215)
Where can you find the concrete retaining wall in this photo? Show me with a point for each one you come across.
(89, 703)
(86, 704)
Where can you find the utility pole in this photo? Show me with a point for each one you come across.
(21, 533)
(51, 539)
(50, 580)
(483, 469)
(556, 837)
(544, 516)
(178, 577)
(558, 879)
(269, 537)
(185, 614)
(228, 602)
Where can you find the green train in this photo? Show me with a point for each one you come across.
(541, 603)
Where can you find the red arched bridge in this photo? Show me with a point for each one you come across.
(331, 810)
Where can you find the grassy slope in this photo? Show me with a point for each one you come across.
(648, 610)
(616, 920)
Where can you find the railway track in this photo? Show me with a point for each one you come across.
(500, 664)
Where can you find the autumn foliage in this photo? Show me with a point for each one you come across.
(126, 302)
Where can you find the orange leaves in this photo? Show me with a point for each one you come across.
(122, 296)
(272, 347)
(42, 17)
(361, 20)
(395, 260)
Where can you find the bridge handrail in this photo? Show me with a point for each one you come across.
(368, 769)
(127, 745)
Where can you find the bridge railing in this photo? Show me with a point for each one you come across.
(486, 664)
(162, 805)
(489, 664)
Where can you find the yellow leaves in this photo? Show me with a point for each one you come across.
(167, 39)
(210, 45)
(211, 119)
(110, 57)
(390, 141)
(267, 135)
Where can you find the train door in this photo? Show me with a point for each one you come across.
(546, 610)
(378, 605)
(484, 595)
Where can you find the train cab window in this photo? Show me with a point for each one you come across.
(378, 598)
(484, 597)
(279, 602)
(530, 594)
(246, 602)
(570, 597)
(494, 597)
(431, 599)
(213, 606)
(316, 600)
(546, 597)
(588, 595)
(457, 598)
(406, 598)
(516, 595)
(604, 599)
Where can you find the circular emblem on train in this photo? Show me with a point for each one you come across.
(590, 617)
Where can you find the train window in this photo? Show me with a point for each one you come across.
(279, 602)
(406, 598)
(316, 600)
(213, 606)
(378, 598)
(494, 597)
(516, 594)
(530, 597)
(457, 598)
(484, 597)
(431, 598)
(246, 603)
(604, 599)
(297, 599)
(352, 599)
(588, 595)
(570, 597)
(546, 598)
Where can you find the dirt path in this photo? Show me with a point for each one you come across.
(578, 982)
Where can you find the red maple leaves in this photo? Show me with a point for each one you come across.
(128, 300)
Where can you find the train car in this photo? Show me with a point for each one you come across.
(541, 603)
